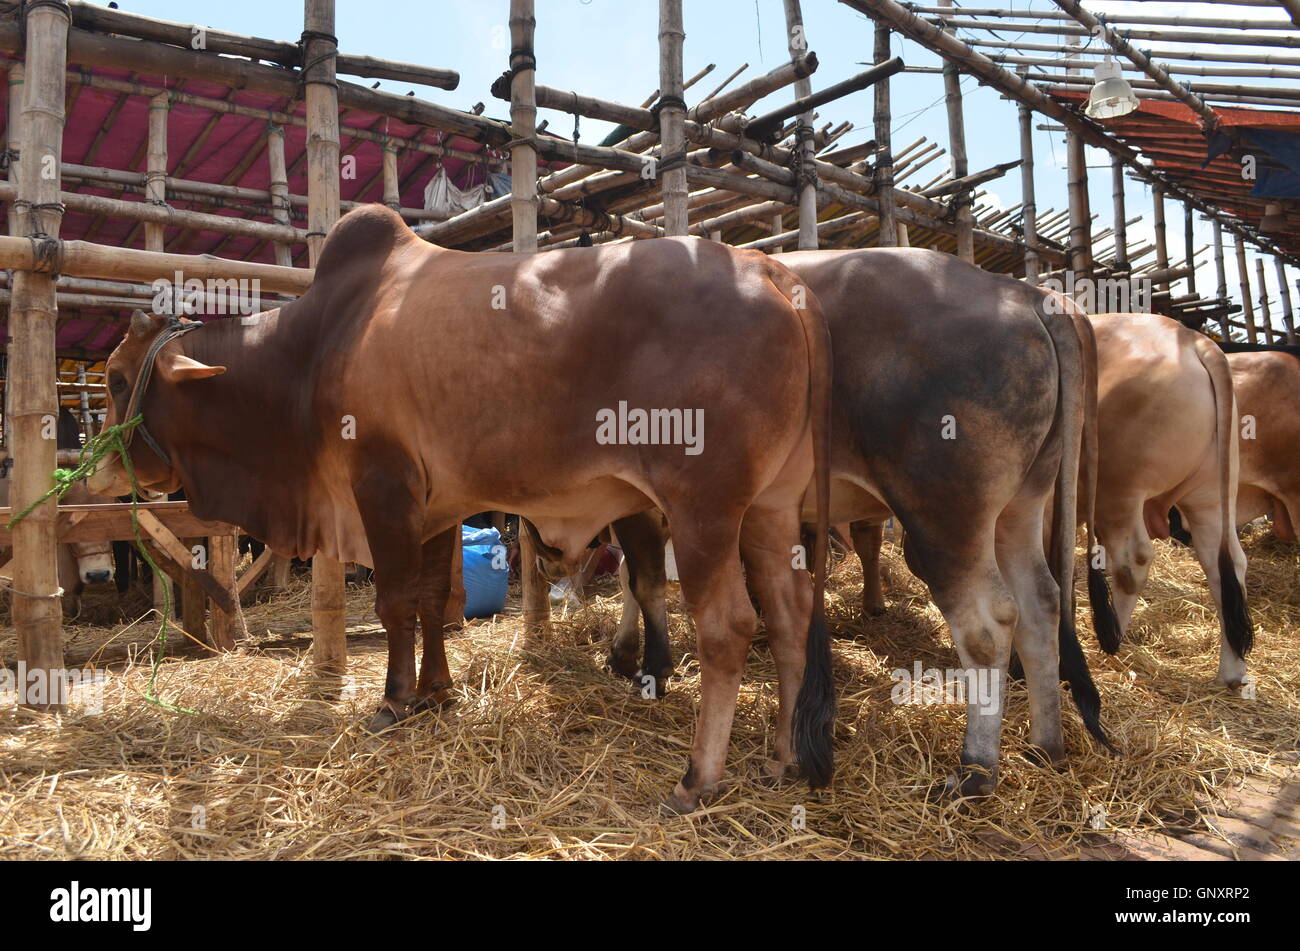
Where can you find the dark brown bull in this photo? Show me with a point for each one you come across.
(340, 423)
(927, 347)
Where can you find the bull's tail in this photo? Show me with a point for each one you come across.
(1237, 626)
(814, 711)
(1077, 401)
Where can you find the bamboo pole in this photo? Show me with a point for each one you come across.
(1284, 292)
(1158, 214)
(156, 175)
(1265, 317)
(1243, 276)
(1121, 219)
(672, 114)
(36, 607)
(957, 147)
(392, 186)
(328, 605)
(1029, 207)
(523, 213)
(1189, 247)
(1220, 271)
(279, 190)
(13, 146)
(888, 232)
(805, 181)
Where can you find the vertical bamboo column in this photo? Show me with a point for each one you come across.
(1284, 292)
(957, 149)
(1265, 317)
(328, 605)
(1028, 206)
(887, 234)
(279, 189)
(1079, 257)
(1162, 243)
(1189, 247)
(523, 210)
(83, 400)
(155, 192)
(805, 181)
(223, 553)
(33, 312)
(1121, 214)
(1243, 276)
(392, 187)
(672, 117)
(13, 118)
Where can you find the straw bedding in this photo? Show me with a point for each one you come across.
(546, 755)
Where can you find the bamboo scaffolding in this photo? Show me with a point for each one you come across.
(1265, 317)
(1284, 293)
(805, 182)
(887, 234)
(1243, 276)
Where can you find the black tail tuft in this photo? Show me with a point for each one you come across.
(1236, 617)
(1074, 670)
(1104, 619)
(814, 711)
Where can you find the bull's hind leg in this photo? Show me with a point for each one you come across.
(715, 592)
(981, 612)
(1127, 552)
(867, 539)
(642, 540)
(784, 593)
(1024, 566)
(1204, 518)
(434, 596)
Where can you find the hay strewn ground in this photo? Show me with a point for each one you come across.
(547, 756)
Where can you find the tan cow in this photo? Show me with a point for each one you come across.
(1267, 384)
(341, 423)
(1168, 430)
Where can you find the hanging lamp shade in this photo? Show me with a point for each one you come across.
(1274, 220)
(1111, 95)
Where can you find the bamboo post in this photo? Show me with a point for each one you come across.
(957, 149)
(1028, 206)
(888, 232)
(805, 180)
(36, 607)
(392, 187)
(1121, 215)
(155, 193)
(14, 145)
(672, 115)
(1284, 292)
(1243, 275)
(1080, 248)
(1162, 243)
(83, 400)
(523, 212)
(1189, 247)
(279, 189)
(328, 605)
(1220, 270)
(1265, 317)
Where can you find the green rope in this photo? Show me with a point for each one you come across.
(92, 453)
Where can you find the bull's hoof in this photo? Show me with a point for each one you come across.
(1233, 683)
(683, 801)
(1046, 756)
(777, 772)
(967, 783)
(624, 665)
(385, 718)
(874, 610)
(438, 700)
(653, 686)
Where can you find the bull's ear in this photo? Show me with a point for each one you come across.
(178, 368)
(142, 324)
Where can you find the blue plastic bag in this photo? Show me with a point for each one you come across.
(487, 573)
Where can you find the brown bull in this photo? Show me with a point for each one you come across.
(340, 423)
(960, 403)
(1168, 424)
(1267, 384)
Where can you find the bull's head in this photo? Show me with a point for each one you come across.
(126, 366)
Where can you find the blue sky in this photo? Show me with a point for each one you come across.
(609, 48)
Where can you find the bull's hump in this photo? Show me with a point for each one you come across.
(365, 233)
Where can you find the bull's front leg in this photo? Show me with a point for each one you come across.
(386, 500)
(441, 606)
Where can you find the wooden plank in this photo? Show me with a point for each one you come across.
(228, 619)
(194, 604)
(259, 566)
